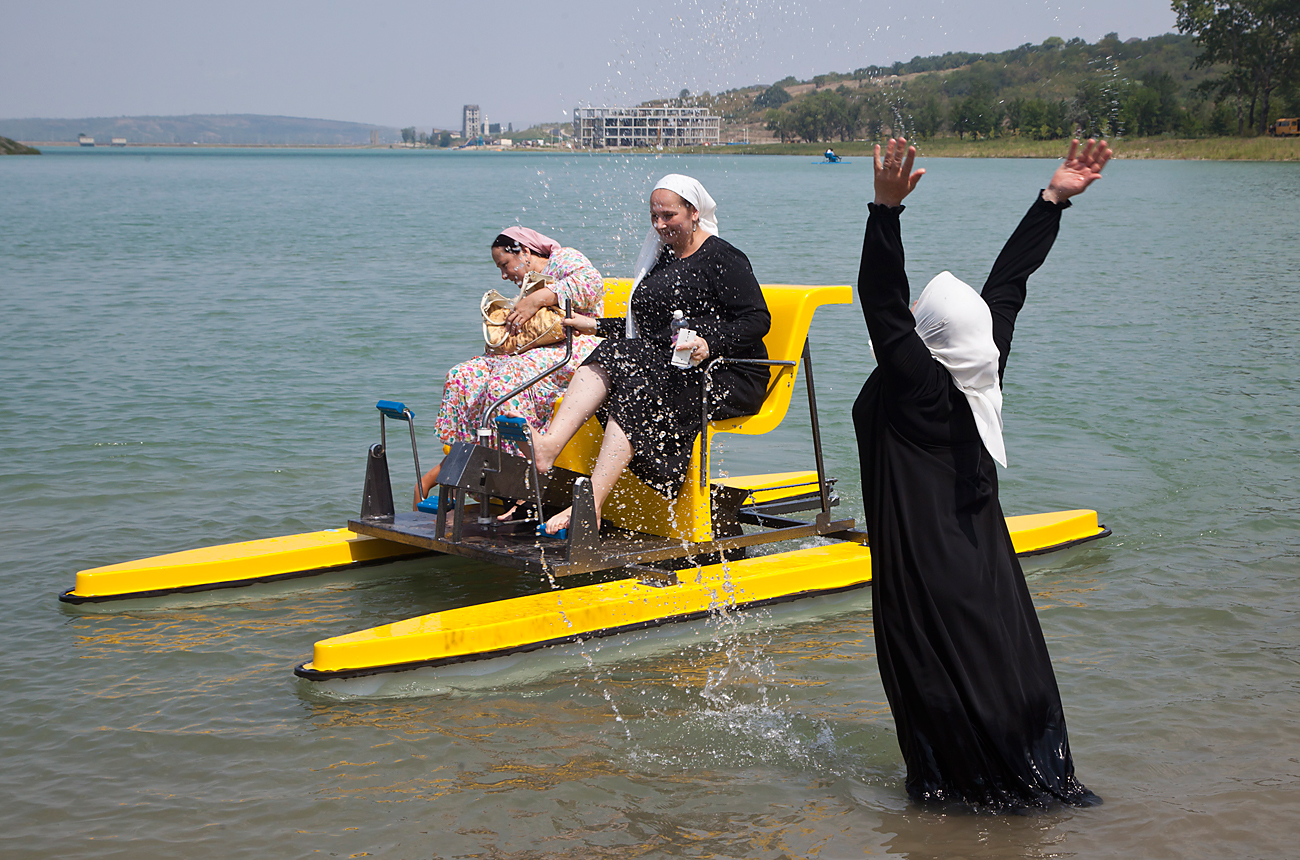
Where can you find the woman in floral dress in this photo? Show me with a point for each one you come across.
(472, 386)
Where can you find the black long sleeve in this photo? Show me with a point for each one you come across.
(883, 289)
(1021, 256)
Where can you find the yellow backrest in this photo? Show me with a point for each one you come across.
(635, 506)
(792, 309)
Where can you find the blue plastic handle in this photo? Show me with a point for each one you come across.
(394, 409)
(562, 534)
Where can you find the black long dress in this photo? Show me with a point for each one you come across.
(658, 405)
(961, 653)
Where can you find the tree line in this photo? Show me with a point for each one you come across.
(434, 138)
(1234, 68)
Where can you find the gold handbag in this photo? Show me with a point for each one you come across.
(542, 329)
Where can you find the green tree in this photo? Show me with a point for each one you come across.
(976, 114)
(408, 135)
(1138, 114)
(1044, 120)
(1224, 120)
(444, 139)
(1096, 108)
(1259, 40)
(772, 97)
(928, 119)
(1015, 113)
(781, 123)
(822, 116)
(1151, 107)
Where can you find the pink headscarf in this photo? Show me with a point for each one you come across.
(531, 239)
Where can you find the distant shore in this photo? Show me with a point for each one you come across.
(134, 145)
(72, 144)
(1196, 149)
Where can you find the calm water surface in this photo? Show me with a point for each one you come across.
(192, 346)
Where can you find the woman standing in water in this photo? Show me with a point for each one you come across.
(961, 653)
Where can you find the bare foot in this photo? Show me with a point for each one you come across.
(538, 451)
(501, 518)
(562, 521)
(559, 521)
(427, 482)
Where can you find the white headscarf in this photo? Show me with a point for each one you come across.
(692, 192)
(956, 325)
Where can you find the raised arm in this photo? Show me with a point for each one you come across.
(1027, 249)
(882, 281)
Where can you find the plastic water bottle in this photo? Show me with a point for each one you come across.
(682, 334)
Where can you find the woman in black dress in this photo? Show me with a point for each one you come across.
(961, 653)
(651, 409)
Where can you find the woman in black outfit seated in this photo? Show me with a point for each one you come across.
(651, 409)
(960, 650)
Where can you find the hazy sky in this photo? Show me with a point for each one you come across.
(405, 63)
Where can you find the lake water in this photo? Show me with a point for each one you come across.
(192, 345)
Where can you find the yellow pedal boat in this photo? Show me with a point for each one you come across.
(661, 562)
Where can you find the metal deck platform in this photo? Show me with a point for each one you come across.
(516, 544)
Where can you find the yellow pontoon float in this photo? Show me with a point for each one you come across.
(664, 562)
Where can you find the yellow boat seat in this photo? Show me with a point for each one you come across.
(635, 506)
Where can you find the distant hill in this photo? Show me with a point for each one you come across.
(199, 128)
(1134, 87)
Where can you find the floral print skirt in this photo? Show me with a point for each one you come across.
(472, 386)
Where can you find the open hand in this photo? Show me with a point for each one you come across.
(895, 178)
(1080, 169)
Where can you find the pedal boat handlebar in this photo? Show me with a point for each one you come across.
(785, 365)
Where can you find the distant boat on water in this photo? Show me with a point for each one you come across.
(118, 141)
(85, 140)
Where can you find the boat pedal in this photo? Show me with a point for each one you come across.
(430, 505)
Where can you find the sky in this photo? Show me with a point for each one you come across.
(402, 63)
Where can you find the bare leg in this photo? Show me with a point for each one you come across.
(427, 483)
(586, 391)
(615, 454)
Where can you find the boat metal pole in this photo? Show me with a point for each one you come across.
(704, 422)
(704, 401)
(415, 454)
(816, 428)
